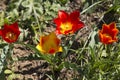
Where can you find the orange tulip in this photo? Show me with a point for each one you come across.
(108, 33)
(68, 23)
(10, 33)
(49, 44)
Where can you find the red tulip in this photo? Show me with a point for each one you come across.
(68, 23)
(10, 33)
(108, 34)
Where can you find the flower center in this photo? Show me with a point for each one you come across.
(10, 36)
(66, 26)
(107, 35)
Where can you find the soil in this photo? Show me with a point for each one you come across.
(39, 69)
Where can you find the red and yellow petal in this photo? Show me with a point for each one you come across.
(114, 32)
(68, 23)
(43, 39)
(106, 39)
(49, 44)
(40, 48)
(108, 33)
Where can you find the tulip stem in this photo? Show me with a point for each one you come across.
(90, 7)
(99, 50)
(83, 48)
(10, 52)
(108, 49)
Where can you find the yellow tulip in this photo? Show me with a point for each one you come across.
(49, 44)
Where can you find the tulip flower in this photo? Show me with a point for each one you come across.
(10, 32)
(49, 44)
(68, 23)
(108, 34)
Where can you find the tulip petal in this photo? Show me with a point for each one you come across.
(105, 28)
(115, 32)
(63, 15)
(0, 32)
(112, 25)
(60, 49)
(57, 21)
(80, 25)
(106, 39)
(74, 15)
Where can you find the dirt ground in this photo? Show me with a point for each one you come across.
(39, 69)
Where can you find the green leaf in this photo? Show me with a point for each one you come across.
(1, 19)
(92, 52)
(3, 45)
(39, 9)
(70, 65)
(116, 2)
(63, 1)
(7, 71)
(104, 53)
(92, 41)
(61, 66)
